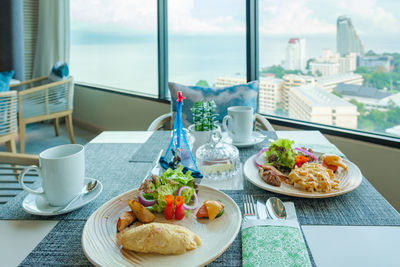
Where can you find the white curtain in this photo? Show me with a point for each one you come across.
(53, 42)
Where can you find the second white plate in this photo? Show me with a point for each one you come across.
(348, 181)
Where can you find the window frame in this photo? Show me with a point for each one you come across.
(252, 67)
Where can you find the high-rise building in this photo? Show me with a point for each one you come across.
(292, 80)
(330, 63)
(270, 94)
(314, 104)
(348, 63)
(347, 40)
(296, 54)
(324, 68)
(373, 62)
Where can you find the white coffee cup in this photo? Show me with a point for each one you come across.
(239, 123)
(62, 170)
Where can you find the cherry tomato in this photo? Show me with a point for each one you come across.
(179, 209)
(169, 208)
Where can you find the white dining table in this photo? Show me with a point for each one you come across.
(330, 245)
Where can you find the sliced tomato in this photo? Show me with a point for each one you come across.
(300, 160)
(331, 167)
(202, 212)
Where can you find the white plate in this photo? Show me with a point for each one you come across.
(38, 205)
(100, 245)
(255, 139)
(348, 181)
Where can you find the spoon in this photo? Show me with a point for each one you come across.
(89, 187)
(276, 208)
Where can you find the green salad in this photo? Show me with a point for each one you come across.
(281, 155)
(171, 182)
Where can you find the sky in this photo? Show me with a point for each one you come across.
(277, 17)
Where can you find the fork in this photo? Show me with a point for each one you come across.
(249, 208)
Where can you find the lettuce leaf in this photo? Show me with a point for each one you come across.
(281, 151)
(187, 194)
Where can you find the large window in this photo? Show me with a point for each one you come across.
(114, 44)
(207, 40)
(331, 62)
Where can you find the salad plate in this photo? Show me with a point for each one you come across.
(101, 247)
(349, 180)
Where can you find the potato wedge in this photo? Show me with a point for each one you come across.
(142, 214)
(125, 219)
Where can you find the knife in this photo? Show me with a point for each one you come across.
(261, 210)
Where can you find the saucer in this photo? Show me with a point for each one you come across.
(255, 139)
(38, 205)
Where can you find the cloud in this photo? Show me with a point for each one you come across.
(319, 17)
(369, 17)
(141, 16)
(291, 17)
(110, 16)
(298, 17)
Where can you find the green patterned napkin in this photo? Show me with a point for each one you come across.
(274, 242)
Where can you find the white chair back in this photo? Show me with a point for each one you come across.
(8, 113)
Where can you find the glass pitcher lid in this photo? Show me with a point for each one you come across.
(216, 150)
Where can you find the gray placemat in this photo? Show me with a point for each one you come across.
(62, 246)
(161, 139)
(106, 162)
(247, 152)
(150, 149)
(363, 206)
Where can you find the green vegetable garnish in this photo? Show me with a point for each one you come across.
(282, 153)
(167, 184)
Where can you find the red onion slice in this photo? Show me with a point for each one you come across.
(145, 202)
(196, 199)
(258, 155)
(306, 152)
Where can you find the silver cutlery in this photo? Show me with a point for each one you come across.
(89, 187)
(249, 208)
(276, 208)
(262, 210)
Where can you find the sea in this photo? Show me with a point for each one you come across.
(131, 63)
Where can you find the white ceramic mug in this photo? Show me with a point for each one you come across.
(239, 123)
(62, 170)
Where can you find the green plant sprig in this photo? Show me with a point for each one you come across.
(204, 116)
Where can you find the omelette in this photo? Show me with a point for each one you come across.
(160, 238)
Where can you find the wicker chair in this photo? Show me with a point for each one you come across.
(163, 122)
(45, 100)
(11, 165)
(8, 119)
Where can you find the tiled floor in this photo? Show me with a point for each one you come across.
(39, 136)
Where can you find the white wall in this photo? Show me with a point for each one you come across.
(100, 110)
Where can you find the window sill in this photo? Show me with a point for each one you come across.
(123, 92)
